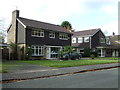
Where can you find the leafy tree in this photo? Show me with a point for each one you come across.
(67, 25)
(67, 50)
(14, 51)
(25, 52)
(3, 31)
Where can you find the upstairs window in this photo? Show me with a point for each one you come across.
(102, 40)
(86, 39)
(80, 40)
(38, 33)
(52, 35)
(73, 40)
(107, 41)
(63, 36)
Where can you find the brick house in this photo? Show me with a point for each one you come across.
(95, 40)
(45, 39)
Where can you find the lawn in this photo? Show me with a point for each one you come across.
(7, 65)
(69, 63)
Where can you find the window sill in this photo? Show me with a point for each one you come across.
(63, 39)
(37, 36)
(37, 55)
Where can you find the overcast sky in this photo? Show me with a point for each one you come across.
(82, 14)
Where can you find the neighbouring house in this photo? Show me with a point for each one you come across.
(45, 39)
(114, 49)
(96, 41)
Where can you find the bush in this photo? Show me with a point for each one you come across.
(92, 56)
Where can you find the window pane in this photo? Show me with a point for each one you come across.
(80, 40)
(86, 39)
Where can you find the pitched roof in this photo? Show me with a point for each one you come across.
(86, 32)
(115, 40)
(42, 25)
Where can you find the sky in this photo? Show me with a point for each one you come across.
(82, 14)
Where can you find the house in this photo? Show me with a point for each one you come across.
(95, 40)
(114, 49)
(45, 39)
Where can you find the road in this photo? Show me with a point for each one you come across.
(95, 79)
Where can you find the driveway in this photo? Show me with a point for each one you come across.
(25, 67)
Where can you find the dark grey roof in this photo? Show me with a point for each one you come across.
(42, 25)
(86, 32)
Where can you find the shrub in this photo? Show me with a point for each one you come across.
(92, 56)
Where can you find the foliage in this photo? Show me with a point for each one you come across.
(87, 52)
(67, 50)
(14, 51)
(67, 25)
(28, 52)
(92, 56)
(25, 52)
(3, 31)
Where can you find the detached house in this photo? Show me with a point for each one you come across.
(45, 39)
(95, 40)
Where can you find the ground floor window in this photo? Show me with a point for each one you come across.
(37, 50)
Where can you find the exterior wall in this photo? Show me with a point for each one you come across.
(95, 41)
(11, 35)
(21, 34)
(31, 40)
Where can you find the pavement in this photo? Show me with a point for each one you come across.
(34, 71)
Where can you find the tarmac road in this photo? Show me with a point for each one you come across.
(96, 79)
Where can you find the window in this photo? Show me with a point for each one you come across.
(102, 40)
(80, 40)
(52, 35)
(54, 52)
(37, 51)
(82, 51)
(73, 40)
(86, 39)
(107, 41)
(63, 36)
(38, 33)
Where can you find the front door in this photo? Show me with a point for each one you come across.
(48, 53)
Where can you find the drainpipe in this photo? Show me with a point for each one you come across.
(90, 42)
(101, 52)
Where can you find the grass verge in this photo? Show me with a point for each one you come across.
(69, 63)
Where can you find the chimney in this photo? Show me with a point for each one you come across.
(113, 34)
(15, 15)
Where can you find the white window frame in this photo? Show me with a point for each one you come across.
(108, 41)
(63, 36)
(86, 38)
(80, 39)
(38, 48)
(74, 40)
(51, 34)
(38, 33)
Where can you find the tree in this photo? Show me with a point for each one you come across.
(14, 51)
(67, 50)
(67, 25)
(3, 31)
